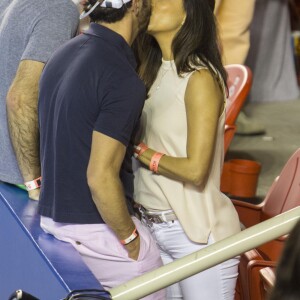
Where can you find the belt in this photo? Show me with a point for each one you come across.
(157, 217)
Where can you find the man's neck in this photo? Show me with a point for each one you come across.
(125, 28)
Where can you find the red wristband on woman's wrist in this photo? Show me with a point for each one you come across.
(140, 149)
(155, 162)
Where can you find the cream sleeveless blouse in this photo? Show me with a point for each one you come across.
(164, 129)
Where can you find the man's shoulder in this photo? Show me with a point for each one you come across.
(31, 12)
(45, 5)
(61, 12)
(65, 7)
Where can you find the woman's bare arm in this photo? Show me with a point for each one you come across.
(204, 102)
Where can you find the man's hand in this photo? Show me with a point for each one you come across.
(34, 194)
(133, 248)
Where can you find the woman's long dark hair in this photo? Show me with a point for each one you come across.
(196, 44)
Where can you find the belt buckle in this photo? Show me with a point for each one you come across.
(150, 219)
(156, 219)
(147, 220)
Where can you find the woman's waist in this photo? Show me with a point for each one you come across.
(152, 202)
(151, 216)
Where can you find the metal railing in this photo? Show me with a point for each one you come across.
(210, 256)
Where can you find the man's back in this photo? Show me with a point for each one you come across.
(89, 84)
(29, 30)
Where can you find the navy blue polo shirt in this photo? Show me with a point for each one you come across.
(89, 84)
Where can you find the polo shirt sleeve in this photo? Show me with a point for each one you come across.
(53, 27)
(121, 108)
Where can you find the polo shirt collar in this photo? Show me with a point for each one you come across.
(112, 38)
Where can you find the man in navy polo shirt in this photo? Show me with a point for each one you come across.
(89, 105)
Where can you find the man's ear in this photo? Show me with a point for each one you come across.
(136, 7)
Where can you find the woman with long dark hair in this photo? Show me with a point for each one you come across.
(177, 184)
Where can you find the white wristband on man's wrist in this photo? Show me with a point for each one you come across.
(131, 238)
(33, 184)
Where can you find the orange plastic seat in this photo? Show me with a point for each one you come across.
(267, 276)
(228, 136)
(250, 282)
(239, 83)
(283, 195)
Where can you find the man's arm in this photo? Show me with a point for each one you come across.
(234, 20)
(22, 99)
(106, 158)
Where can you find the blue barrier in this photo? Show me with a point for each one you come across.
(32, 260)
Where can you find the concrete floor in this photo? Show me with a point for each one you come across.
(272, 150)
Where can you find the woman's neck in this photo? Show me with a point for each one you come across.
(165, 44)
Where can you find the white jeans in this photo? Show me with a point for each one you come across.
(216, 283)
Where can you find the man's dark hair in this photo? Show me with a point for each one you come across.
(107, 15)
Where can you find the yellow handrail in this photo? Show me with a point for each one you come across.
(210, 256)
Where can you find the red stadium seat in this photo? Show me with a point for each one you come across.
(283, 195)
(239, 83)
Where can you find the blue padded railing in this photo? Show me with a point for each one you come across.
(32, 260)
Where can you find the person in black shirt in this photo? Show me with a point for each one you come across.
(90, 102)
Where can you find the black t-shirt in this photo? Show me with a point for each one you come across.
(89, 84)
